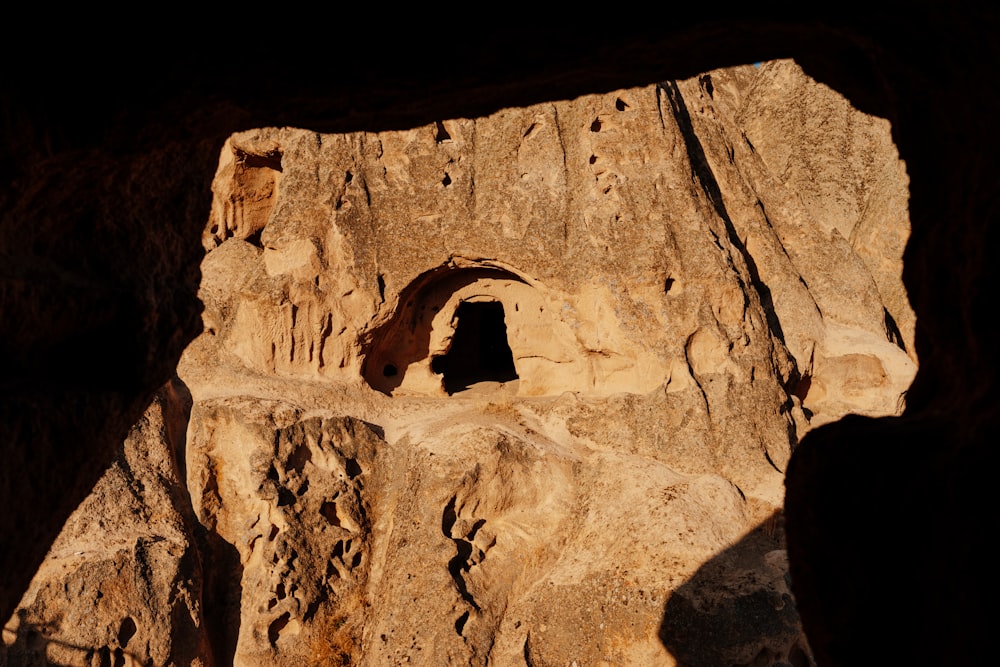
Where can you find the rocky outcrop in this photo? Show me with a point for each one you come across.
(123, 583)
(289, 497)
(826, 292)
(521, 389)
(847, 176)
(64, 413)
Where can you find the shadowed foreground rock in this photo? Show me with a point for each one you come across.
(124, 580)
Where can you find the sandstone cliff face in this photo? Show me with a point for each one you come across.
(519, 389)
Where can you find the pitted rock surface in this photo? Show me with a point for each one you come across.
(521, 389)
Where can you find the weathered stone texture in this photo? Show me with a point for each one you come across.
(123, 582)
(682, 298)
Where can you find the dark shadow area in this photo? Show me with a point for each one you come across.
(737, 610)
(376, 429)
(886, 529)
(479, 351)
(33, 646)
(223, 594)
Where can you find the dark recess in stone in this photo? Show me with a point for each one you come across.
(270, 160)
(479, 350)
(126, 632)
(254, 239)
(277, 625)
(442, 134)
(460, 623)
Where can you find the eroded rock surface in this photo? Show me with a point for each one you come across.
(123, 582)
(521, 389)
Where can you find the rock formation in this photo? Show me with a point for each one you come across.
(123, 583)
(518, 389)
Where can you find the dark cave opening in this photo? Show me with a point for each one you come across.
(479, 349)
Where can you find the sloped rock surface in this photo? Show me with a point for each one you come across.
(123, 583)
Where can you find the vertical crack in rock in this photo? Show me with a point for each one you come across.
(565, 162)
(702, 172)
(462, 560)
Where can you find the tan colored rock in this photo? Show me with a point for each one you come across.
(817, 200)
(844, 169)
(123, 583)
(287, 493)
(521, 389)
(471, 537)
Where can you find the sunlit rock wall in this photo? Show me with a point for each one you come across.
(684, 293)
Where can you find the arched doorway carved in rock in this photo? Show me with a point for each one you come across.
(448, 332)
(480, 351)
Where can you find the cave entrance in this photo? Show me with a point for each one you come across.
(479, 349)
